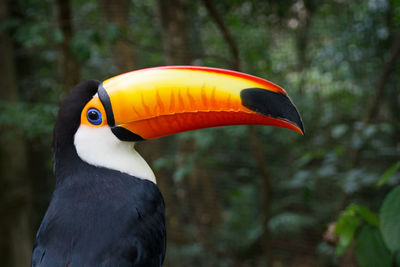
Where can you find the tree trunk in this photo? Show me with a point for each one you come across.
(384, 76)
(302, 40)
(213, 12)
(122, 51)
(174, 24)
(377, 95)
(15, 190)
(69, 65)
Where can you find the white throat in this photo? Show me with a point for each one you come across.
(98, 146)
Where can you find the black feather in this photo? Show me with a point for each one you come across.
(97, 216)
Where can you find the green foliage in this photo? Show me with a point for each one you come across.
(241, 222)
(289, 223)
(371, 251)
(328, 57)
(388, 174)
(390, 218)
(81, 48)
(346, 226)
(367, 215)
(33, 121)
(378, 242)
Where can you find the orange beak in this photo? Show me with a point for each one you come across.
(155, 102)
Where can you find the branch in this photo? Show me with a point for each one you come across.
(225, 33)
(377, 96)
(70, 71)
(383, 79)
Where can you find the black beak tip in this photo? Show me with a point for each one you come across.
(301, 127)
(273, 104)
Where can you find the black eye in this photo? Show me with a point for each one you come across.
(94, 116)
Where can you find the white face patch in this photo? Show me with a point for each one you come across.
(98, 146)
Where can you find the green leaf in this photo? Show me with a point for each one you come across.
(390, 220)
(388, 174)
(349, 221)
(345, 229)
(370, 248)
(367, 215)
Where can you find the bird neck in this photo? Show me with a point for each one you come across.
(98, 146)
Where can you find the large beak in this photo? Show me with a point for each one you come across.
(156, 102)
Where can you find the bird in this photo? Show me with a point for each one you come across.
(106, 208)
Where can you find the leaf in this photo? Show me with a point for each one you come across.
(345, 229)
(367, 215)
(370, 248)
(349, 221)
(388, 174)
(390, 220)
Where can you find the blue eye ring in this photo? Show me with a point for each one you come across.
(94, 116)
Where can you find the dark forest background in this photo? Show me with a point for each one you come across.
(238, 196)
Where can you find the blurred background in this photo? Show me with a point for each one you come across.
(238, 196)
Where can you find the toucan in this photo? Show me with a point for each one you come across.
(106, 209)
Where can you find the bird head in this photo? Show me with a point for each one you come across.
(151, 103)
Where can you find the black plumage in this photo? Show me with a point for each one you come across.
(97, 216)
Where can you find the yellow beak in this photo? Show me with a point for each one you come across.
(160, 101)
